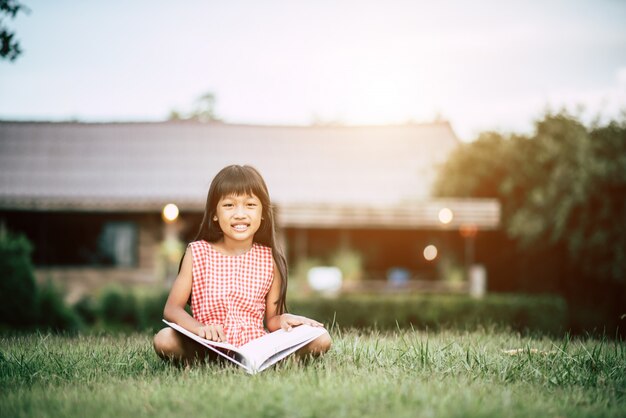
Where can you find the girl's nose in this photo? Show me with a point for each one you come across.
(239, 211)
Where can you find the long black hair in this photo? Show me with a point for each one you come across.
(241, 180)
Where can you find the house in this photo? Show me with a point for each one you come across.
(90, 195)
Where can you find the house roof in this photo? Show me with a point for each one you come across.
(141, 166)
(319, 176)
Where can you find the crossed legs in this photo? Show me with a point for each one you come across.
(171, 345)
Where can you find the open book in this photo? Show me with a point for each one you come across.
(262, 352)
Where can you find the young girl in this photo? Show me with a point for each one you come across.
(234, 274)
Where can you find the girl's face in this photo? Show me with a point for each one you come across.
(239, 217)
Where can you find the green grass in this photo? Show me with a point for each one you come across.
(400, 374)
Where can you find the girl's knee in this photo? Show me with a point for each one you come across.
(165, 342)
(321, 344)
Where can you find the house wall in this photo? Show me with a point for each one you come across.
(65, 249)
(54, 234)
(380, 249)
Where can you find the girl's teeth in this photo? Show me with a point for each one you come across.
(240, 227)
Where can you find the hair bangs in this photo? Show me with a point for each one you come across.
(240, 181)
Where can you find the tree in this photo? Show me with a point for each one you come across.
(203, 110)
(564, 185)
(9, 48)
(597, 234)
(563, 196)
(483, 160)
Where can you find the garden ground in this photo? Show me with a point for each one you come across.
(488, 372)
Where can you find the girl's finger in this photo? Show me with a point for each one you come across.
(297, 321)
(213, 334)
(220, 333)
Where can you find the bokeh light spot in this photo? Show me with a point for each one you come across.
(430, 252)
(170, 212)
(445, 216)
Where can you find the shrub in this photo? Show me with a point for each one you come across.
(53, 313)
(18, 291)
(23, 304)
(128, 309)
(350, 263)
(152, 305)
(119, 306)
(545, 314)
(87, 309)
(125, 308)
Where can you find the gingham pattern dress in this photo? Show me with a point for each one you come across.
(231, 290)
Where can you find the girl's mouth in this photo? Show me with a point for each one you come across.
(240, 227)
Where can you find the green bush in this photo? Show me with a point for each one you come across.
(53, 312)
(23, 304)
(87, 310)
(544, 314)
(125, 308)
(18, 291)
(152, 305)
(119, 306)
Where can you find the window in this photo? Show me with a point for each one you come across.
(117, 243)
(79, 239)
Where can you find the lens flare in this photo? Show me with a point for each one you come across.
(445, 216)
(170, 212)
(430, 252)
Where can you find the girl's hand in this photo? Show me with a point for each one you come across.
(287, 321)
(212, 332)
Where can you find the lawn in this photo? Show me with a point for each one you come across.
(367, 374)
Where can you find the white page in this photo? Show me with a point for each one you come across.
(262, 348)
(261, 352)
(211, 344)
(282, 354)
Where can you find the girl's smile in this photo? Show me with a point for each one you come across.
(241, 227)
(239, 218)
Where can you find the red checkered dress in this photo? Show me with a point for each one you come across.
(231, 290)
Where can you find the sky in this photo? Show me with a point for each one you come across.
(481, 65)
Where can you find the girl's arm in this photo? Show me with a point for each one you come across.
(274, 321)
(177, 300)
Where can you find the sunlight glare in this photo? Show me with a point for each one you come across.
(430, 252)
(445, 216)
(170, 212)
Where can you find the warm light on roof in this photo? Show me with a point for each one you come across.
(430, 252)
(170, 212)
(445, 216)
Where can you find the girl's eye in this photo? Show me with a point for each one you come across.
(227, 205)
(252, 205)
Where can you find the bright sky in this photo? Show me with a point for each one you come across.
(479, 64)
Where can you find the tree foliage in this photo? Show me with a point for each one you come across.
(563, 186)
(9, 47)
(203, 110)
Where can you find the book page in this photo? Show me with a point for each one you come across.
(282, 354)
(260, 353)
(213, 345)
(260, 349)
